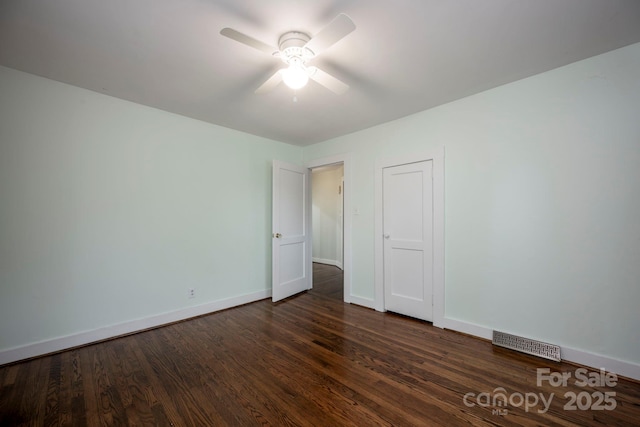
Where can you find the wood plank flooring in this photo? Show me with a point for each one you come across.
(309, 360)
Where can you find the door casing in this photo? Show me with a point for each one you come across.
(345, 159)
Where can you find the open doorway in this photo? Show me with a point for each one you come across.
(327, 199)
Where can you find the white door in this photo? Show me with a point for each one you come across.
(408, 239)
(291, 248)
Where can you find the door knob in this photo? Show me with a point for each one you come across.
(277, 235)
(386, 236)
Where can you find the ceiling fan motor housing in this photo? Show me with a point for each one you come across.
(292, 48)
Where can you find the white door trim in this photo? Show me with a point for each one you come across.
(437, 157)
(345, 159)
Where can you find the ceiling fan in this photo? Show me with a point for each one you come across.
(296, 49)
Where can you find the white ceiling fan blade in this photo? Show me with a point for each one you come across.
(272, 82)
(332, 33)
(249, 41)
(327, 80)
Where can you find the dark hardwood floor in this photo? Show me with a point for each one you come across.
(328, 281)
(309, 360)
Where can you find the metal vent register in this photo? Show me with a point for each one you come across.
(526, 345)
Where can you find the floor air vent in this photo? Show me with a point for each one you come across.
(526, 345)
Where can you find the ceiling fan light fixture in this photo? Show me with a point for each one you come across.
(296, 49)
(296, 76)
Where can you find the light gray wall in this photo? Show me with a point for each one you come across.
(110, 211)
(542, 203)
(326, 216)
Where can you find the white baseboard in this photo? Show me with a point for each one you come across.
(364, 302)
(62, 343)
(595, 361)
(467, 328)
(328, 262)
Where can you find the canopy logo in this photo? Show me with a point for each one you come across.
(499, 400)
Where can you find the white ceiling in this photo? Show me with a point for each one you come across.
(405, 56)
